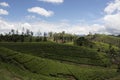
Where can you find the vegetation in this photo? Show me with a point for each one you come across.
(109, 39)
(115, 56)
(61, 52)
(29, 36)
(48, 69)
(58, 56)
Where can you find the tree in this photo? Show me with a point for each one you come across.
(45, 36)
(50, 34)
(22, 38)
(12, 31)
(55, 38)
(62, 36)
(31, 34)
(27, 32)
(39, 36)
(114, 56)
(82, 41)
(17, 32)
(23, 31)
(30, 40)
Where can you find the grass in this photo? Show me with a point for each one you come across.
(103, 46)
(26, 67)
(105, 39)
(19, 64)
(116, 78)
(69, 53)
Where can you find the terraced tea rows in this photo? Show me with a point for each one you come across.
(51, 70)
(60, 52)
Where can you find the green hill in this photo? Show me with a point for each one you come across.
(74, 54)
(109, 39)
(15, 65)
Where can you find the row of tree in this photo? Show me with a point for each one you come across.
(62, 37)
(29, 36)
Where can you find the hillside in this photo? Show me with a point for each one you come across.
(74, 54)
(19, 66)
(105, 39)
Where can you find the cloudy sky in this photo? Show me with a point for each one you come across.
(72, 16)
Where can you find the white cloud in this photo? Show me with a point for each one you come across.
(26, 25)
(85, 29)
(30, 17)
(4, 4)
(112, 23)
(3, 12)
(41, 11)
(53, 1)
(5, 26)
(112, 18)
(113, 7)
(45, 26)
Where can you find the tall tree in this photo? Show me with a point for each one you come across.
(45, 36)
(12, 31)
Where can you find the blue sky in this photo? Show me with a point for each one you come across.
(70, 9)
(70, 14)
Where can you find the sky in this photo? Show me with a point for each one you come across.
(71, 16)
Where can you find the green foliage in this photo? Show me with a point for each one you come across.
(28, 67)
(59, 52)
(109, 39)
(103, 47)
(82, 41)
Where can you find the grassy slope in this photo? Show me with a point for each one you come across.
(13, 72)
(25, 67)
(106, 39)
(103, 46)
(115, 78)
(60, 52)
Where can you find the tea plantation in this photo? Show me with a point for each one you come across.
(52, 61)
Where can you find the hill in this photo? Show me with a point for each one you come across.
(74, 54)
(109, 39)
(19, 66)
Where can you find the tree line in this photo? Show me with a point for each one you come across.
(27, 35)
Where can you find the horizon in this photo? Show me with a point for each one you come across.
(76, 17)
